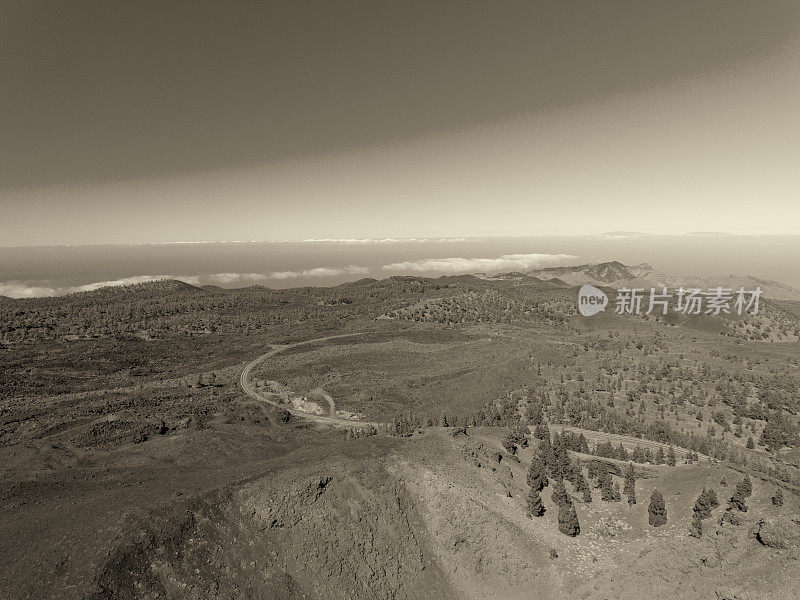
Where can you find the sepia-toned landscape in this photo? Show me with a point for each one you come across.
(399, 300)
(411, 437)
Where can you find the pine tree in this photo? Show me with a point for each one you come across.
(559, 494)
(520, 433)
(616, 497)
(607, 492)
(712, 499)
(579, 481)
(750, 443)
(537, 475)
(622, 453)
(551, 459)
(657, 510)
(510, 443)
(630, 484)
(535, 505)
(659, 458)
(671, 459)
(696, 528)
(568, 520)
(565, 466)
(747, 486)
(542, 432)
(738, 500)
(777, 499)
(587, 494)
(705, 503)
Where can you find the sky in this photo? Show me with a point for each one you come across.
(147, 122)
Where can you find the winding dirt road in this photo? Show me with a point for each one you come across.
(248, 388)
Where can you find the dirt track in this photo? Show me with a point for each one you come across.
(248, 388)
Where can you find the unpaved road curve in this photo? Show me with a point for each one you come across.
(250, 390)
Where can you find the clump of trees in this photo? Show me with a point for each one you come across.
(657, 511)
(553, 462)
(567, 516)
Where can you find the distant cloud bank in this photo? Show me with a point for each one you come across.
(353, 241)
(27, 289)
(320, 272)
(504, 262)
(448, 266)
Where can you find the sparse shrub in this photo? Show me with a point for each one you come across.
(657, 510)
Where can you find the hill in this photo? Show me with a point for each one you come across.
(645, 276)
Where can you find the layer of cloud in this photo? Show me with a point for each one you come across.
(320, 272)
(25, 289)
(30, 289)
(354, 241)
(504, 262)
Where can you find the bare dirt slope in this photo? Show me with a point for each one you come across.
(275, 510)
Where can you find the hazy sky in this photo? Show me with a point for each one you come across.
(165, 121)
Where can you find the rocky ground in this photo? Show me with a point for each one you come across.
(277, 510)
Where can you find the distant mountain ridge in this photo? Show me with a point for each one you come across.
(616, 274)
